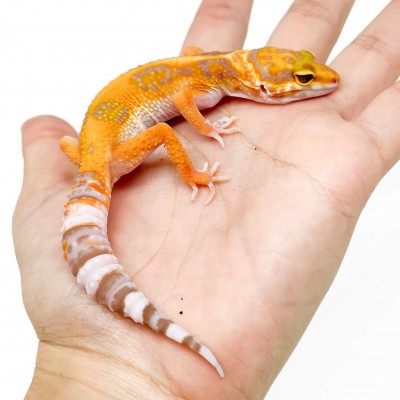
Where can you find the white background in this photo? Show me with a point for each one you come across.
(55, 55)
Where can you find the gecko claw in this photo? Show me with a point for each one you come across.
(210, 194)
(214, 168)
(210, 184)
(205, 168)
(218, 138)
(218, 178)
(195, 190)
(221, 127)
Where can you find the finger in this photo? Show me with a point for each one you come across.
(312, 25)
(381, 119)
(44, 163)
(371, 63)
(220, 25)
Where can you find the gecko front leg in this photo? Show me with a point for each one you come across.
(185, 102)
(136, 149)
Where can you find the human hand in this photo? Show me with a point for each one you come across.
(253, 266)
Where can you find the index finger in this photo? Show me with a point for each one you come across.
(220, 25)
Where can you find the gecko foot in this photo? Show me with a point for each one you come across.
(221, 127)
(210, 184)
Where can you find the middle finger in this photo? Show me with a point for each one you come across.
(311, 25)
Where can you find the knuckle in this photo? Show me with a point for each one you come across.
(312, 8)
(373, 44)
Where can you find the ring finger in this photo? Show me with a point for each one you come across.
(371, 63)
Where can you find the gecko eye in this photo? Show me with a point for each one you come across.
(263, 89)
(304, 77)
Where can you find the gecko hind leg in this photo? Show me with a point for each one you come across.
(192, 51)
(70, 146)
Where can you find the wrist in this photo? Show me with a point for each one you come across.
(70, 373)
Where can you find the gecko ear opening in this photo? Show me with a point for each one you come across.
(304, 77)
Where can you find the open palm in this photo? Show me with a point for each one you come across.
(246, 273)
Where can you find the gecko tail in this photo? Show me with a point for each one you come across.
(139, 309)
(91, 259)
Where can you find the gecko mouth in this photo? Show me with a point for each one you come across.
(295, 95)
(319, 92)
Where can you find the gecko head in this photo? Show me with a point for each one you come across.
(278, 76)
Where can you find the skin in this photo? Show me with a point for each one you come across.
(256, 263)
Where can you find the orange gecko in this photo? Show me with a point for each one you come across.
(126, 122)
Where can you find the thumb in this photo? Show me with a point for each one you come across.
(37, 217)
(47, 171)
(44, 163)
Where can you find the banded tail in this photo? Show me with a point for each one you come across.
(91, 259)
